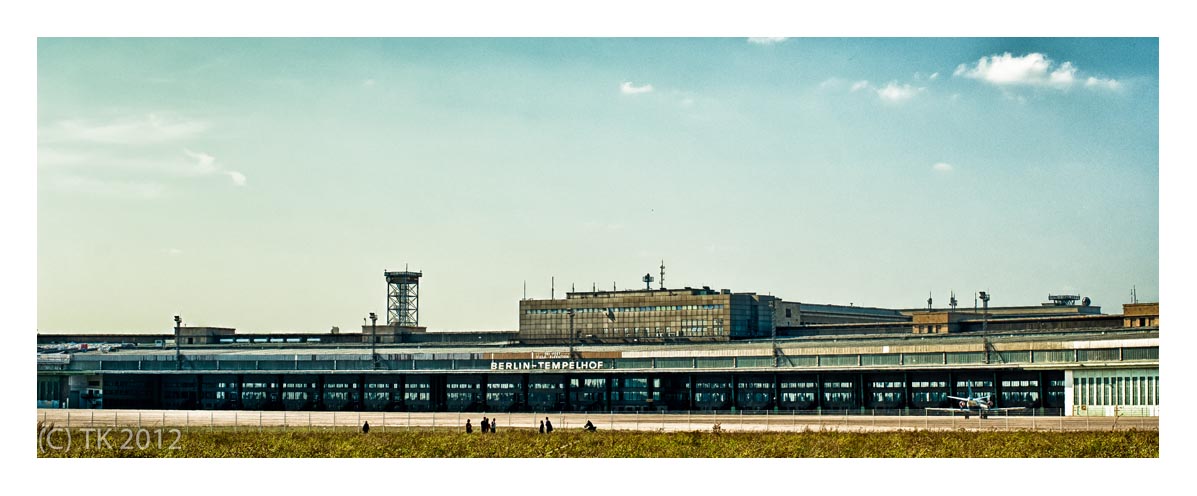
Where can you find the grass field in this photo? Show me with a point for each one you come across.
(514, 443)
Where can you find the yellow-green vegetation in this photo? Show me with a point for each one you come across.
(514, 443)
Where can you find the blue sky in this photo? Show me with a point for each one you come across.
(265, 184)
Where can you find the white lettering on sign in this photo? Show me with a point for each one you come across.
(547, 365)
(549, 354)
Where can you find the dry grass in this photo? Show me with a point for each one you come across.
(515, 443)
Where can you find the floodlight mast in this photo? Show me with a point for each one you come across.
(985, 315)
(571, 333)
(178, 362)
(985, 324)
(373, 339)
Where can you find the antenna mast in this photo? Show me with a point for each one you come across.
(662, 281)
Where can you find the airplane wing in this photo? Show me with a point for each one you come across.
(1008, 409)
(949, 410)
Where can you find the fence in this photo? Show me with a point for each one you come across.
(673, 421)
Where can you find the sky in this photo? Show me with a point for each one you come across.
(267, 184)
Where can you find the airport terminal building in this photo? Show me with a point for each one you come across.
(644, 350)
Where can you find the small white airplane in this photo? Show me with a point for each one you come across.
(982, 405)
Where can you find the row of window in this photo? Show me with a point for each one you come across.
(976, 384)
(756, 385)
(588, 383)
(1104, 391)
(712, 385)
(665, 308)
(1011, 384)
(928, 384)
(797, 397)
(797, 385)
(660, 332)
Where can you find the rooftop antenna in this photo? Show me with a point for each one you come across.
(952, 301)
(525, 289)
(1134, 295)
(594, 287)
(662, 282)
(552, 287)
(572, 289)
(928, 301)
(613, 286)
(648, 281)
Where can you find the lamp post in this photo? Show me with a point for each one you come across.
(373, 338)
(178, 323)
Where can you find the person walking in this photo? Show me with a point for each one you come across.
(485, 425)
(542, 427)
(366, 427)
(493, 422)
(548, 425)
(469, 428)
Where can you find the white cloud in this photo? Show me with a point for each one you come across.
(628, 88)
(766, 41)
(141, 130)
(943, 167)
(174, 252)
(75, 184)
(205, 165)
(1064, 76)
(51, 157)
(80, 156)
(1033, 69)
(893, 93)
(860, 85)
(830, 83)
(237, 177)
(1105, 84)
(369, 82)
(934, 76)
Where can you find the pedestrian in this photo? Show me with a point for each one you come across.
(485, 425)
(542, 427)
(493, 423)
(366, 427)
(548, 425)
(469, 428)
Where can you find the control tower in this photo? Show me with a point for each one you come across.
(403, 298)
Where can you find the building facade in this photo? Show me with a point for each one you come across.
(646, 316)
